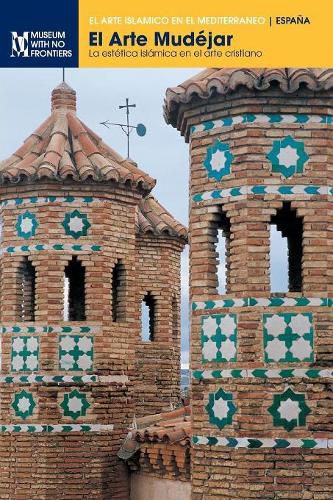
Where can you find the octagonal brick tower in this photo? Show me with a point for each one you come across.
(261, 144)
(83, 243)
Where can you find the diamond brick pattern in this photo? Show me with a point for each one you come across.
(25, 353)
(76, 352)
(288, 337)
(219, 337)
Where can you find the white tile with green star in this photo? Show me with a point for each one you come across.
(23, 404)
(75, 404)
(219, 338)
(218, 160)
(76, 352)
(288, 156)
(289, 410)
(76, 224)
(25, 353)
(220, 408)
(288, 337)
(26, 225)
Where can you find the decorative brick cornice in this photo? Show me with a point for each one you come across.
(223, 81)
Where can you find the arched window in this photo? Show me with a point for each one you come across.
(148, 320)
(286, 257)
(118, 291)
(27, 291)
(74, 291)
(222, 248)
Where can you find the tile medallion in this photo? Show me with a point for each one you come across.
(23, 404)
(75, 352)
(288, 157)
(26, 225)
(25, 353)
(76, 224)
(289, 410)
(75, 404)
(220, 408)
(219, 337)
(218, 160)
(288, 337)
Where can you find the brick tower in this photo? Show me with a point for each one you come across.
(83, 245)
(262, 363)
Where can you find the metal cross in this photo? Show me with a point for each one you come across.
(126, 127)
(129, 128)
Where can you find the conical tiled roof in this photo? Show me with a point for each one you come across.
(152, 218)
(214, 81)
(64, 148)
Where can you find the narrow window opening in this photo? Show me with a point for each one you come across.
(222, 248)
(27, 285)
(286, 256)
(148, 307)
(74, 291)
(175, 320)
(118, 292)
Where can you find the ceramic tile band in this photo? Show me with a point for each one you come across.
(255, 443)
(51, 246)
(49, 329)
(262, 189)
(263, 302)
(55, 428)
(263, 373)
(271, 118)
(63, 379)
(34, 200)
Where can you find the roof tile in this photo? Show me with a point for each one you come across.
(226, 80)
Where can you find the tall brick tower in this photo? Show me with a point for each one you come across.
(83, 246)
(261, 143)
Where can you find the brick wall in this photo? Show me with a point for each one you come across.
(262, 363)
(158, 361)
(67, 386)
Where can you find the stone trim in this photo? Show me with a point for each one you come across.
(63, 379)
(270, 118)
(263, 373)
(49, 329)
(51, 246)
(263, 189)
(34, 200)
(55, 428)
(263, 302)
(255, 442)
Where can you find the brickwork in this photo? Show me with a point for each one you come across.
(68, 387)
(158, 362)
(262, 364)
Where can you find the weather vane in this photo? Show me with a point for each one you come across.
(126, 127)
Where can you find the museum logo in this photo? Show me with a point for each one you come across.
(40, 44)
(20, 44)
